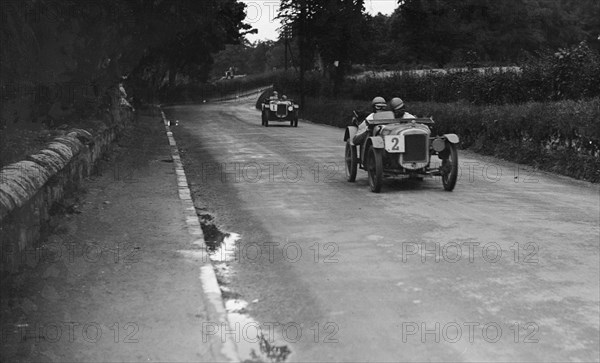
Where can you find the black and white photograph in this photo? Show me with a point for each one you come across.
(277, 181)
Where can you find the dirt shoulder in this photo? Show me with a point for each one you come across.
(109, 284)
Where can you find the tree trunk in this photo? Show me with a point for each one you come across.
(172, 77)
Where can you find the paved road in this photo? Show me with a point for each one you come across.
(505, 268)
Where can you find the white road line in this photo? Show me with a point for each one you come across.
(208, 278)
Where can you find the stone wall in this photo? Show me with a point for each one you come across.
(30, 188)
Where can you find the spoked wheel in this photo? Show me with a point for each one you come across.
(351, 162)
(449, 169)
(375, 169)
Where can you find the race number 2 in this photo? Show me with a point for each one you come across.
(394, 144)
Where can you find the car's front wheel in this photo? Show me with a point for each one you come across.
(264, 118)
(449, 169)
(296, 121)
(375, 169)
(351, 162)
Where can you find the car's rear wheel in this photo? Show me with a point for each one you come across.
(375, 169)
(351, 162)
(449, 169)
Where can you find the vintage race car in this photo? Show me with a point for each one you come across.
(403, 146)
(279, 110)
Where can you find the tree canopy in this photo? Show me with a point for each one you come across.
(83, 48)
(331, 29)
(441, 31)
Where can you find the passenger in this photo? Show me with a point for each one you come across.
(397, 105)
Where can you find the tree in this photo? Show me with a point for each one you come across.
(80, 50)
(380, 49)
(428, 29)
(331, 28)
(440, 31)
(198, 29)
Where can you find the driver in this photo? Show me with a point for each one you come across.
(377, 104)
(397, 105)
(275, 96)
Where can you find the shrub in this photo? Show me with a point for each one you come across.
(562, 136)
(197, 92)
(568, 74)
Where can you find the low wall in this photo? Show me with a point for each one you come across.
(30, 188)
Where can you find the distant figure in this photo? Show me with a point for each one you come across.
(123, 97)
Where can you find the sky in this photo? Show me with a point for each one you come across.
(261, 13)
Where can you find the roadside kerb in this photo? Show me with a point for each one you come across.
(208, 278)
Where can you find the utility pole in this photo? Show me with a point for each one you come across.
(302, 50)
(285, 37)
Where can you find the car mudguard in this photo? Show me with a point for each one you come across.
(374, 142)
(452, 138)
(377, 142)
(349, 134)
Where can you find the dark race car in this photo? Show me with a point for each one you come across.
(279, 110)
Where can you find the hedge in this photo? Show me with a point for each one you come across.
(198, 92)
(562, 136)
(568, 74)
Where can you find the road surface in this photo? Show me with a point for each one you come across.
(504, 268)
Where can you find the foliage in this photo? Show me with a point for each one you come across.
(563, 136)
(332, 30)
(247, 58)
(70, 55)
(442, 31)
(199, 92)
(572, 73)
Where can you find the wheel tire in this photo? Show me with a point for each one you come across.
(267, 121)
(264, 118)
(351, 162)
(292, 123)
(375, 169)
(450, 168)
(296, 121)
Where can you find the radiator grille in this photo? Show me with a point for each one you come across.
(415, 148)
(281, 110)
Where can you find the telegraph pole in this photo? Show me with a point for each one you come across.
(285, 37)
(302, 49)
